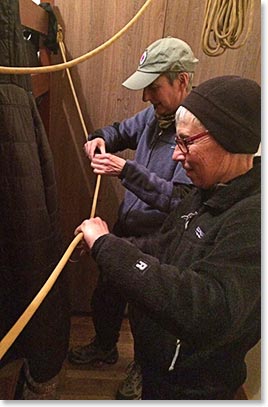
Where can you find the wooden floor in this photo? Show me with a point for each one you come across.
(94, 383)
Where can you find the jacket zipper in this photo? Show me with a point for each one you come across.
(176, 354)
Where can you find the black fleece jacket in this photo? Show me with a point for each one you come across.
(196, 283)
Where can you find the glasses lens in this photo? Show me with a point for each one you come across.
(181, 144)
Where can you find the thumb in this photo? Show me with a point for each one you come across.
(102, 149)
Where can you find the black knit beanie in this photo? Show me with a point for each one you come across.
(230, 108)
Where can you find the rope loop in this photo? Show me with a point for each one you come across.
(224, 24)
(59, 67)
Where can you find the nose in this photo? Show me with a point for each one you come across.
(178, 155)
(146, 95)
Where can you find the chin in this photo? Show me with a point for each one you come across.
(160, 110)
(196, 182)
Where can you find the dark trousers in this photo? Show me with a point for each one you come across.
(108, 309)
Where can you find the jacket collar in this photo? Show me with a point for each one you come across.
(224, 196)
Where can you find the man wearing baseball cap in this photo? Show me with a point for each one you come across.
(196, 300)
(165, 76)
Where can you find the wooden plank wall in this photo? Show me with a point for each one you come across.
(86, 25)
(245, 61)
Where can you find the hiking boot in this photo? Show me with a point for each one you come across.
(131, 387)
(92, 353)
(33, 390)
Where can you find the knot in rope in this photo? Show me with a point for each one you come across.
(59, 34)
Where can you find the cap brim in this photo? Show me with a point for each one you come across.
(139, 80)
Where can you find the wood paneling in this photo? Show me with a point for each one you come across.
(185, 20)
(87, 24)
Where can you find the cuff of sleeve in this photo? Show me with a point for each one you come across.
(126, 169)
(97, 133)
(97, 245)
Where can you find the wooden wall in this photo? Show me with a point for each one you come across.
(86, 25)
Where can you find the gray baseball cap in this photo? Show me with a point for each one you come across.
(167, 54)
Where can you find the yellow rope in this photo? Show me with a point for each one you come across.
(63, 53)
(13, 333)
(97, 187)
(224, 24)
(82, 58)
(17, 328)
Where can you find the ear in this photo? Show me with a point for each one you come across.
(184, 78)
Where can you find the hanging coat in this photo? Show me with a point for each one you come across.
(30, 237)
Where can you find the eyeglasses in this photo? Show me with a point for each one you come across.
(183, 143)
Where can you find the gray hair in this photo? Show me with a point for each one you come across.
(171, 76)
(182, 112)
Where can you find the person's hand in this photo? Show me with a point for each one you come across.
(107, 164)
(91, 146)
(92, 229)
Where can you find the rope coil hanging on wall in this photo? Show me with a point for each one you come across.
(224, 23)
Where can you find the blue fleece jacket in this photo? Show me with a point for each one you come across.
(151, 178)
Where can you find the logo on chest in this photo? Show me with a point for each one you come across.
(199, 232)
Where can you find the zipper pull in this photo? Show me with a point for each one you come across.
(188, 218)
(176, 354)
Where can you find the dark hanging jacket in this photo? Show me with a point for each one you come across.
(195, 287)
(30, 237)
